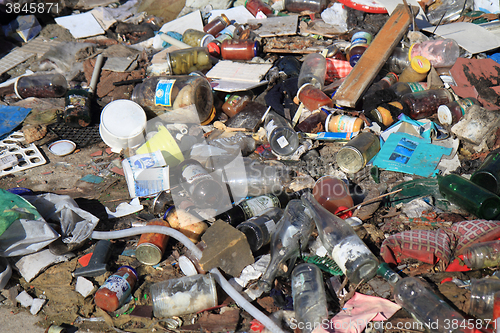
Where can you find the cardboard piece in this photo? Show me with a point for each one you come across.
(276, 26)
(81, 25)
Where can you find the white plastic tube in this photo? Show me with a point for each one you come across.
(174, 41)
(221, 280)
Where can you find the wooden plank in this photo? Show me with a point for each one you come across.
(373, 58)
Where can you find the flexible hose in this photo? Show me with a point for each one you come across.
(221, 280)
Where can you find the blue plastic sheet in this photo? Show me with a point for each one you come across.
(10, 118)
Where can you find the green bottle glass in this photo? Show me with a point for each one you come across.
(469, 196)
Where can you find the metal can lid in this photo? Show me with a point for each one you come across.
(444, 115)
(350, 159)
(148, 254)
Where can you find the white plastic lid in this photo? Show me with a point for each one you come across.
(444, 115)
(186, 265)
(123, 118)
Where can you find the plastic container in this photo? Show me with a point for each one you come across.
(403, 88)
(123, 124)
(163, 141)
(313, 71)
(258, 8)
(280, 134)
(41, 86)
(350, 253)
(217, 25)
(239, 49)
(116, 290)
(440, 52)
(309, 297)
(162, 94)
(482, 255)
(345, 124)
(151, 246)
(77, 111)
(356, 153)
(387, 114)
(297, 6)
(313, 98)
(423, 104)
(447, 11)
(185, 295)
(469, 196)
(186, 61)
(258, 229)
(417, 71)
(333, 194)
(196, 38)
(236, 102)
(397, 61)
(452, 112)
(488, 174)
(482, 297)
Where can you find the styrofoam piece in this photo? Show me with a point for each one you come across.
(84, 286)
(36, 306)
(30, 265)
(25, 299)
(28, 156)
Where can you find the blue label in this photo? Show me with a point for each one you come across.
(164, 92)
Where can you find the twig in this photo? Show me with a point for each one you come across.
(367, 202)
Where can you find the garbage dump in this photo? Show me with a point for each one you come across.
(250, 166)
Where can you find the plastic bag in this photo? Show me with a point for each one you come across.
(14, 207)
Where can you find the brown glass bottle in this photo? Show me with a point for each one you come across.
(425, 103)
(217, 25)
(258, 7)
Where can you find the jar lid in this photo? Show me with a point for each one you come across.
(214, 48)
(444, 115)
(205, 40)
(420, 64)
(131, 268)
(255, 48)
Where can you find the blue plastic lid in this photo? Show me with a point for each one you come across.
(20, 190)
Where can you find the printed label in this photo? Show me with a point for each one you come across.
(151, 181)
(361, 37)
(119, 285)
(271, 226)
(76, 101)
(163, 93)
(255, 206)
(194, 172)
(349, 249)
(270, 127)
(346, 124)
(414, 86)
(465, 104)
(233, 100)
(282, 141)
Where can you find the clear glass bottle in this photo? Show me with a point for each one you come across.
(309, 297)
(239, 49)
(297, 6)
(292, 233)
(333, 194)
(440, 52)
(258, 8)
(77, 108)
(447, 11)
(313, 71)
(186, 61)
(313, 98)
(417, 71)
(482, 295)
(40, 86)
(196, 38)
(217, 25)
(356, 153)
(488, 174)
(280, 134)
(423, 104)
(469, 196)
(350, 253)
(236, 102)
(403, 88)
(116, 290)
(259, 229)
(482, 255)
(452, 112)
(398, 60)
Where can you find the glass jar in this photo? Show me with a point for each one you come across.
(386, 114)
(258, 8)
(333, 194)
(313, 98)
(342, 123)
(403, 88)
(451, 113)
(239, 49)
(159, 95)
(196, 38)
(440, 52)
(354, 52)
(417, 71)
(297, 6)
(356, 153)
(41, 86)
(482, 255)
(423, 104)
(116, 290)
(398, 60)
(236, 102)
(77, 108)
(482, 297)
(313, 70)
(217, 25)
(186, 61)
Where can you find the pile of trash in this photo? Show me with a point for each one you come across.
(251, 166)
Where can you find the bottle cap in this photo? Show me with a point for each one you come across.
(186, 265)
(444, 115)
(214, 48)
(420, 64)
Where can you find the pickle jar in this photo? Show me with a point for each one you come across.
(452, 112)
(186, 61)
(423, 104)
(160, 95)
(217, 25)
(239, 49)
(196, 38)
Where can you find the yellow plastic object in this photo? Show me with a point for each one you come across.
(165, 142)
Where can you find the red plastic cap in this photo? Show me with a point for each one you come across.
(214, 49)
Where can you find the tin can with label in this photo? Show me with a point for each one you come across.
(151, 246)
(357, 152)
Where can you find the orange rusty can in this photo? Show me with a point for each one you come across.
(151, 246)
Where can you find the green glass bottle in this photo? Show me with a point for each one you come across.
(469, 196)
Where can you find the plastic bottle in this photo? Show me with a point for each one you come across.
(161, 94)
(387, 113)
(297, 6)
(292, 234)
(350, 253)
(239, 49)
(116, 290)
(482, 255)
(196, 38)
(186, 61)
(452, 112)
(258, 8)
(403, 88)
(417, 71)
(217, 25)
(236, 102)
(259, 229)
(40, 86)
(333, 194)
(388, 80)
(205, 191)
(313, 71)
(309, 297)
(440, 52)
(313, 98)
(280, 134)
(342, 123)
(397, 61)
(356, 153)
(488, 174)
(423, 104)
(469, 196)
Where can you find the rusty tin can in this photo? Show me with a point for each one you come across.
(151, 246)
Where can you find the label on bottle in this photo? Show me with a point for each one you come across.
(348, 250)
(414, 86)
(465, 104)
(255, 206)
(119, 285)
(270, 127)
(76, 101)
(345, 124)
(260, 15)
(163, 94)
(233, 100)
(271, 226)
(282, 141)
(194, 172)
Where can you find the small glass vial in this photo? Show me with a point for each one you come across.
(343, 124)
(417, 71)
(258, 8)
(239, 49)
(333, 194)
(280, 134)
(482, 255)
(196, 38)
(41, 86)
(259, 229)
(313, 98)
(309, 296)
(217, 25)
(77, 108)
(403, 88)
(488, 174)
(116, 290)
(313, 71)
(356, 153)
(297, 6)
(452, 112)
(186, 61)
(151, 246)
(236, 102)
(440, 52)
(423, 104)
